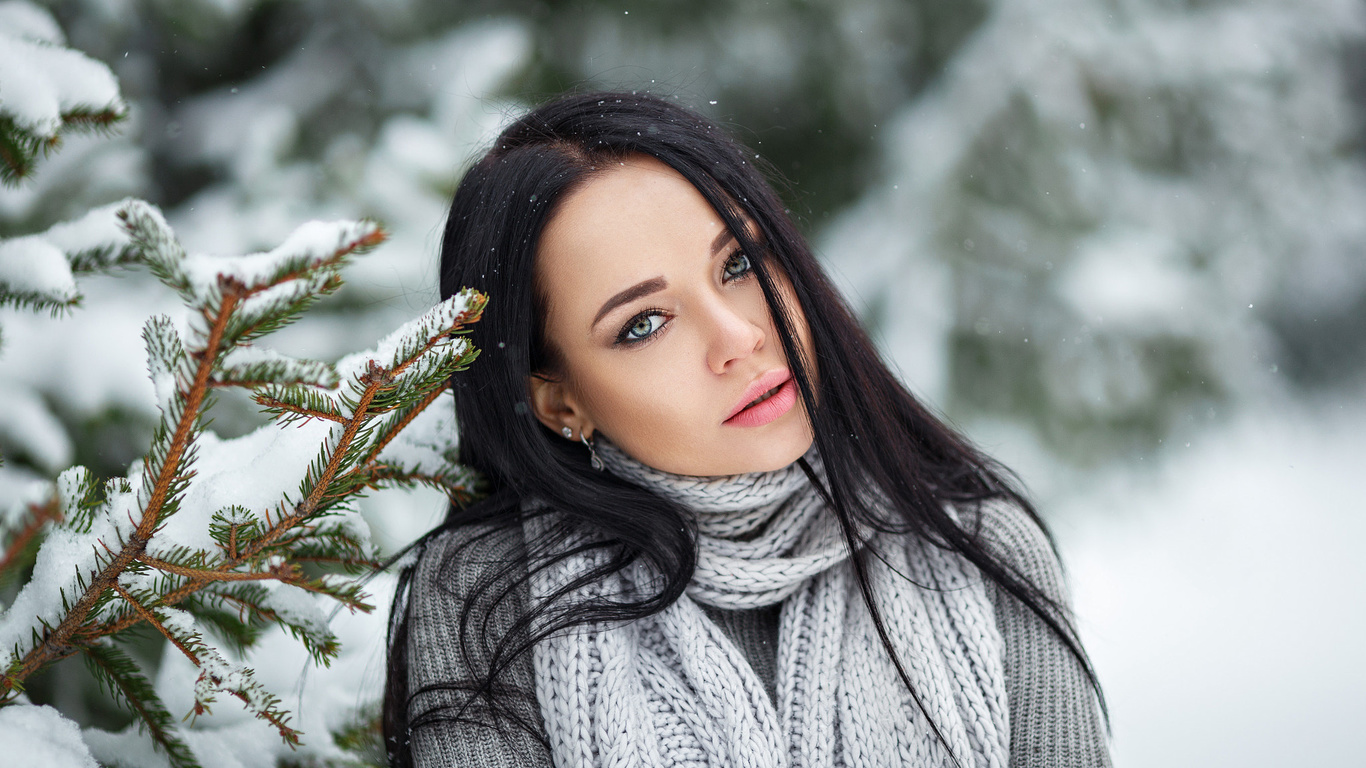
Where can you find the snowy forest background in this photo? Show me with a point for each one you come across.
(1121, 243)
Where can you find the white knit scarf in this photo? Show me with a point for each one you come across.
(673, 690)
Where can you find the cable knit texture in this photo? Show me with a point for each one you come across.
(673, 690)
(701, 684)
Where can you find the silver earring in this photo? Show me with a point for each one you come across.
(568, 433)
(592, 453)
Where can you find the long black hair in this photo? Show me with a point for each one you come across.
(868, 428)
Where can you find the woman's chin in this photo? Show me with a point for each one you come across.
(738, 457)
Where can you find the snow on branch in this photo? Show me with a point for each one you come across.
(211, 540)
(46, 89)
(38, 271)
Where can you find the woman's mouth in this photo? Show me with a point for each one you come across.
(777, 397)
(765, 396)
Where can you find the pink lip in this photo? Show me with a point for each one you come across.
(744, 415)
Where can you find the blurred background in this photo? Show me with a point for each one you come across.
(1120, 243)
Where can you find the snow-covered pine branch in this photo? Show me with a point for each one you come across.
(204, 542)
(39, 271)
(46, 89)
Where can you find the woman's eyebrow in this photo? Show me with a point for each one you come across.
(644, 288)
(722, 237)
(654, 284)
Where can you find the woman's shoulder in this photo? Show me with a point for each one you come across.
(461, 562)
(1018, 537)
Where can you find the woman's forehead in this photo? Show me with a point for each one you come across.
(638, 220)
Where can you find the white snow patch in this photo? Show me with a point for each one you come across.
(99, 228)
(298, 607)
(39, 737)
(421, 328)
(1133, 279)
(20, 487)
(64, 554)
(177, 622)
(320, 700)
(1220, 591)
(254, 471)
(308, 371)
(29, 22)
(39, 82)
(129, 748)
(33, 265)
(315, 241)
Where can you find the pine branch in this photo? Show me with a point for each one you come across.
(67, 92)
(283, 574)
(121, 677)
(147, 616)
(401, 420)
(274, 406)
(56, 644)
(216, 674)
(130, 584)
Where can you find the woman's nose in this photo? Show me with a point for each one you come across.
(734, 335)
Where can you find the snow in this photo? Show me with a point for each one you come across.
(1157, 168)
(71, 485)
(424, 443)
(64, 554)
(177, 622)
(312, 243)
(33, 265)
(412, 333)
(313, 372)
(45, 354)
(254, 471)
(38, 736)
(165, 358)
(1130, 279)
(25, 20)
(40, 263)
(20, 487)
(1218, 584)
(320, 700)
(40, 82)
(98, 230)
(297, 607)
(90, 169)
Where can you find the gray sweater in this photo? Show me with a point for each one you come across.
(1054, 717)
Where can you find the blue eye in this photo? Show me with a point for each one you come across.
(641, 327)
(737, 265)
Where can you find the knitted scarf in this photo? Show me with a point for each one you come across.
(673, 690)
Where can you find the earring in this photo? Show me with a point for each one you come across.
(592, 453)
(568, 433)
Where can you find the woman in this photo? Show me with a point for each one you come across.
(717, 530)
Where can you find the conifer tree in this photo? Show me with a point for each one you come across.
(206, 542)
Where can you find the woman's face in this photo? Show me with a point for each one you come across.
(665, 339)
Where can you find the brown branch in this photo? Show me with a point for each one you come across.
(56, 644)
(375, 378)
(290, 736)
(464, 318)
(206, 574)
(271, 402)
(39, 514)
(141, 611)
(402, 424)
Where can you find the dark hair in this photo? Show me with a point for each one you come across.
(868, 427)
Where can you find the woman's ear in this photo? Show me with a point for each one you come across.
(556, 407)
